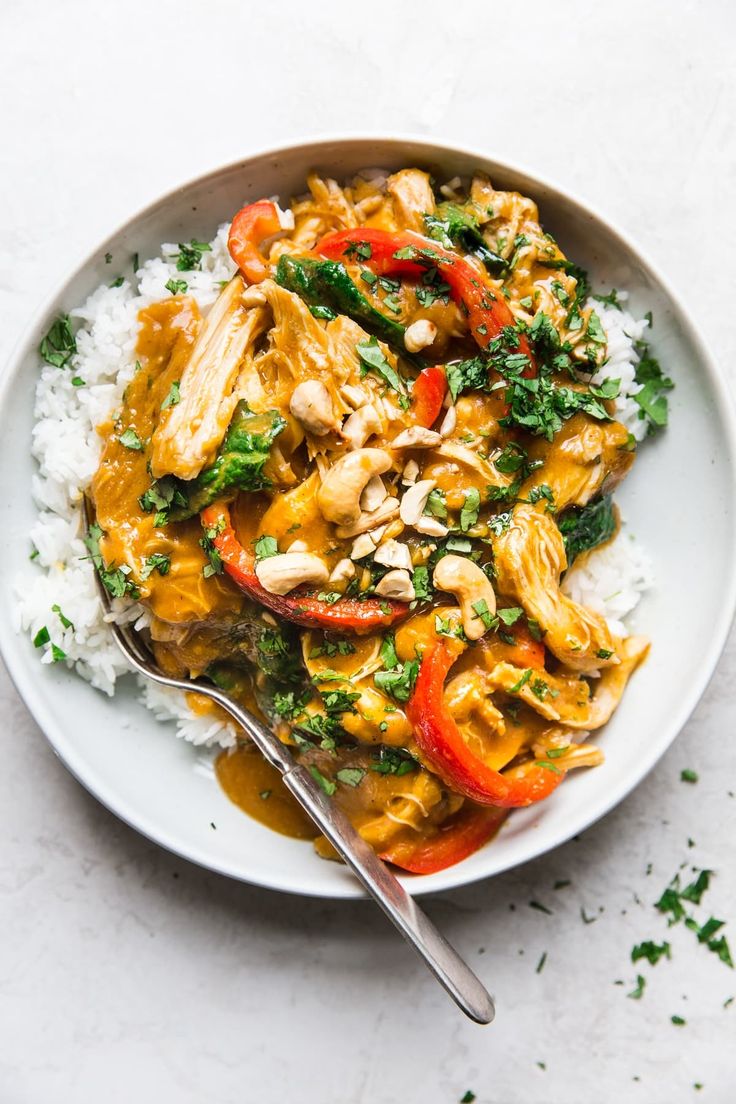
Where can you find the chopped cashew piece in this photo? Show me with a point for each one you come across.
(298, 546)
(419, 335)
(396, 584)
(366, 523)
(363, 545)
(393, 553)
(282, 573)
(416, 437)
(448, 423)
(339, 494)
(360, 425)
(353, 395)
(410, 473)
(373, 494)
(414, 501)
(471, 586)
(311, 405)
(430, 526)
(343, 571)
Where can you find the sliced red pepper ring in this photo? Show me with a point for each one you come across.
(252, 225)
(428, 395)
(345, 615)
(442, 745)
(409, 254)
(459, 837)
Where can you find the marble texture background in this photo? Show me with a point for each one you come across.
(128, 975)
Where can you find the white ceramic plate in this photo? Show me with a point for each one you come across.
(679, 501)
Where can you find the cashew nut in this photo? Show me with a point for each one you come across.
(343, 571)
(393, 553)
(280, 574)
(339, 494)
(363, 545)
(373, 494)
(414, 501)
(419, 335)
(396, 584)
(360, 425)
(470, 585)
(353, 395)
(416, 437)
(448, 423)
(366, 523)
(410, 473)
(430, 526)
(311, 405)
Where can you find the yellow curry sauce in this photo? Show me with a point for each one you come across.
(542, 671)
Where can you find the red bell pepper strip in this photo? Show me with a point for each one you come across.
(460, 836)
(251, 226)
(442, 745)
(345, 615)
(428, 395)
(408, 254)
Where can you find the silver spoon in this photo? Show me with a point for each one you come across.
(417, 929)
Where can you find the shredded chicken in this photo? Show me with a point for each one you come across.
(411, 191)
(530, 558)
(191, 429)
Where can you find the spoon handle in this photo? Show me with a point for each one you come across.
(387, 891)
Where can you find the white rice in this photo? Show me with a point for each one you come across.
(67, 447)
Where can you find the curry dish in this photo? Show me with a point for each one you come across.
(349, 493)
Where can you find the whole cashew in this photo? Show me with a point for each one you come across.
(311, 405)
(470, 585)
(282, 573)
(339, 494)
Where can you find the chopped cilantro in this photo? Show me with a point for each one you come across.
(64, 620)
(173, 397)
(59, 345)
(158, 561)
(42, 637)
(324, 783)
(688, 775)
(470, 509)
(638, 992)
(265, 547)
(176, 287)
(189, 256)
(350, 776)
(372, 359)
(130, 440)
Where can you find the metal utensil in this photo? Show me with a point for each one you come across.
(386, 890)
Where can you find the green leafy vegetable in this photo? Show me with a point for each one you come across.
(652, 399)
(189, 256)
(59, 345)
(350, 776)
(176, 287)
(327, 285)
(470, 509)
(652, 952)
(174, 396)
(587, 527)
(158, 561)
(372, 359)
(130, 440)
(325, 783)
(452, 225)
(399, 682)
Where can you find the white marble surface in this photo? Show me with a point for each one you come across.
(127, 975)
